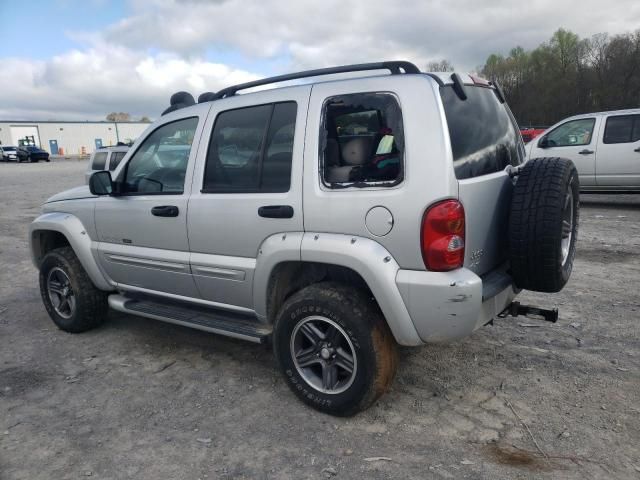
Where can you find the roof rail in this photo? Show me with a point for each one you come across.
(395, 67)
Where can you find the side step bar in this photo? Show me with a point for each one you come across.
(230, 324)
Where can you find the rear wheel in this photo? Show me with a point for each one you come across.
(543, 224)
(72, 301)
(334, 348)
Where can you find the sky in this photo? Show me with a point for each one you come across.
(81, 59)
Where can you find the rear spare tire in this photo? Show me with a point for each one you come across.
(543, 224)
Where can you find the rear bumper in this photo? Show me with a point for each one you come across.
(446, 306)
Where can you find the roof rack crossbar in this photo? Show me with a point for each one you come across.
(395, 67)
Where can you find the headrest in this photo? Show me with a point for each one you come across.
(356, 151)
(332, 153)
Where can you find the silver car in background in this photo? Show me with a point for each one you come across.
(8, 153)
(105, 158)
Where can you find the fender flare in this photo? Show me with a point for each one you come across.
(74, 231)
(364, 256)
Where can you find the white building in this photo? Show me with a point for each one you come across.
(69, 138)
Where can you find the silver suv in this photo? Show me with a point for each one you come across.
(105, 158)
(333, 219)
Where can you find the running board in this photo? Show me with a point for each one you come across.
(230, 324)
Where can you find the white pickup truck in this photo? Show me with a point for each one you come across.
(605, 148)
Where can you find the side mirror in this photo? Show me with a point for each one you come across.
(544, 142)
(100, 183)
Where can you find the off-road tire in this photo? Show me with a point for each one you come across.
(90, 305)
(543, 188)
(360, 318)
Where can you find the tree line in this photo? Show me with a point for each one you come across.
(568, 75)
(565, 76)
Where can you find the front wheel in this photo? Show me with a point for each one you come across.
(334, 348)
(72, 301)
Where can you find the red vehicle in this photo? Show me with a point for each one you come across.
(529, 133)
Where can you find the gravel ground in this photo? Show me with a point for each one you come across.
(146, 400)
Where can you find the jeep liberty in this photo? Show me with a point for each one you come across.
(334, 219)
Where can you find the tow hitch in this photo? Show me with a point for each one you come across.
(516, 309)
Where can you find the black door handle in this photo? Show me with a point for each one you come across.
(165, 211)
(276, 211)
(637, 150)
(585, 152)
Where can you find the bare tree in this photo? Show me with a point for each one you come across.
(568, 75)
(443, 65)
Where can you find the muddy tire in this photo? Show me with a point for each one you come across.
(72, 301)
(543, 224)
(334, 348)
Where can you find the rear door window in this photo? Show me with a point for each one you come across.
(362, 140)
(484, 136)
(99, 160)
(251, 150)
(622, 129)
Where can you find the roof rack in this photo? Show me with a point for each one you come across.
(395, 67)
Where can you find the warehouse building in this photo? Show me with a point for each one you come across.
(69, 138)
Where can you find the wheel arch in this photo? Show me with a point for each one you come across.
(310, 258)
(54, 230)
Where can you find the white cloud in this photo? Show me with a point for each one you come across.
(105, 78)
(136, 63)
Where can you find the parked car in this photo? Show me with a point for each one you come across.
(604, 146)
(258, 216)
(105, 158)
(529, 133)
(8, 153)
(31, 153)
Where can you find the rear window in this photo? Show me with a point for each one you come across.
(484, 136)
(99, 161)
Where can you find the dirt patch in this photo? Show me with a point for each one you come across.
(605, 255)
(16, 381)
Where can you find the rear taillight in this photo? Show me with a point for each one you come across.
(442, 236)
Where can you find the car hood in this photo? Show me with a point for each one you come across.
(71, 194)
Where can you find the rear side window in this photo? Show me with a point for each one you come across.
(622, 129)
(99, 161)
(251, 150)
(116, 158)
(484, 136)
(362, 141)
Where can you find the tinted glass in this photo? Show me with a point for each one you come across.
(276, 166)
(571, 134)
(99, 160)
(622, 129)
(250, 150)
(160, 163)
(484, 137)
(362, 141)
(116, 158)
